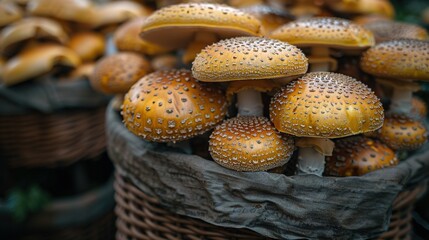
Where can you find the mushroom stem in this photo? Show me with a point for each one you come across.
(201, 40)
(117, 102)
(312, 152)
(249, 103)
(317, 53)
(401, 100)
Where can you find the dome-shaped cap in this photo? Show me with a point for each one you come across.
(356, 156)
(389, 30)
(36, 61)
(403, 133)
(406, 59)
(88, 45)
(117, 73)
(127, 38)
(70, 10)
(328, 105)
(249, 143)
(9, 13)
(325, 31)
(169, 106)
(245, 58)
(175, 26)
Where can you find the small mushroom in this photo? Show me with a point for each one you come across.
(320, 106)
(322, 34)
(249, 143)
(356, 156)
(79, 11)
(89, 46)
(196, 25)
(170, 106)
(390, 30)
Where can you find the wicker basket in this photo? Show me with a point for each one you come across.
(59, 138)
(141, 217)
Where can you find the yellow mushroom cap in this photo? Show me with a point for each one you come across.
(175, 26)
(362, 7)
(30, 28)
(389, 30)
(37, 61)
(117, 73)
(9, 13)
(356, 156)
(127, 38)
(169, 106)
(88, 45)
(403, 133)
(406, 59)
(325, 31)
(71, 10)
(245, 58)
(326, 105)
(249, 143)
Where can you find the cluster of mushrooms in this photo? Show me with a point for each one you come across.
(270, 82)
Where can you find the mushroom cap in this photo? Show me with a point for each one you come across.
(270, 17)
(30, 28)
(363, 7)
(326, 105)
(356, 156)
(401, 132)
(406, 59)
(389, 30)
(126, 38)
(245, 58)
(175, 26)
(88, 45)
(71, 10)
(325, 31)
(117, 73)
(165, 62)
(37, 61)
(9, 13)
(249, 143)
(170, 106)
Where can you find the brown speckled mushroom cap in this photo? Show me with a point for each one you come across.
(245, 58)
(356, 156)
(363, 7)
(127, 38)
(389, 30)
(170, 106)
(175, 26)
(325, 31)
(249, 143)
(117, 73)
(406, 59)
(71, 10)
(88, 45)
(36, 61)
(326, 105)
(9, 13)
(30, 28)
(403, 133)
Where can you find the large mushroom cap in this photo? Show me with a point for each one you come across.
(403, 133)
(245, 58)
(325, 31)
(389, 30)
(9, 13)
(88, 45)
(249, 143)
(169, 106)
(328, 105)
(406, 59)
(175, 26)
(356, 156)
(117, 73)
(37, 61)
(71, 10)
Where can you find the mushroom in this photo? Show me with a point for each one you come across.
(249, 143)
(402, 133)
(36, 61)
(164, 62)
(320, 106)
(398, 63)
(14, 36)
(89, 46)
(195, 26)
(389, 30)
(115, 74)
(362, 7)
(9, 13)
(171, 106)
(270, 17)
(418, 108)
(249, 58)
(358, 155)
(322, 34)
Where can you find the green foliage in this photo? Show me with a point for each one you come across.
(25, 201)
